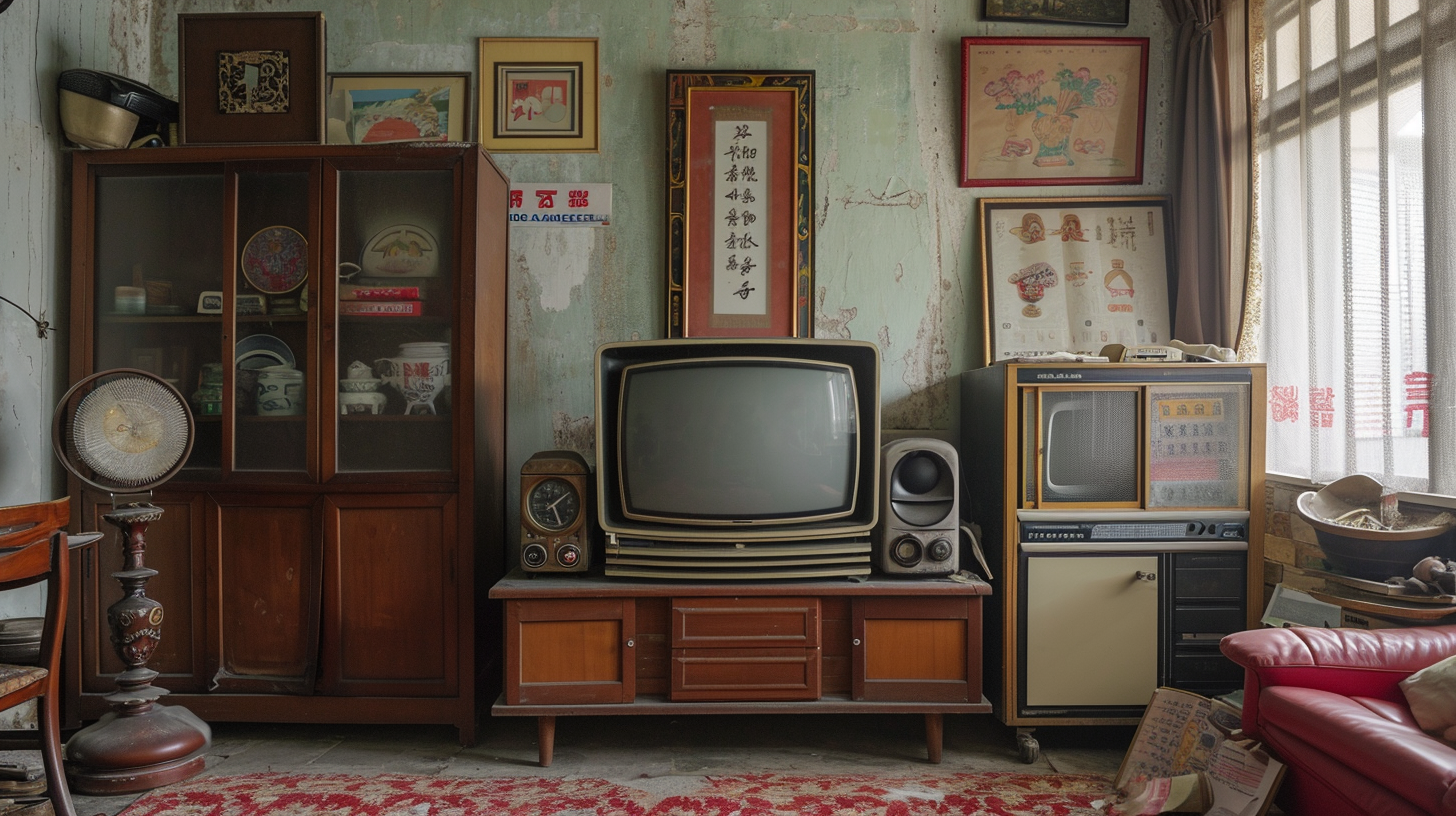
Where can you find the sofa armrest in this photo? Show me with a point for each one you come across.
(1352, 662)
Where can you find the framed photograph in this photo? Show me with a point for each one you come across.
(740, 193)
(1075, 274)
(251, 78)
(376, 108)
(538, 95)
(1052, 110)
(1082, 12)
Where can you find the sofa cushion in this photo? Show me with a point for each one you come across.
(1378, 738)
(1431, 693)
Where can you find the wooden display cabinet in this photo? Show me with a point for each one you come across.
(318, 563)
(589, 645)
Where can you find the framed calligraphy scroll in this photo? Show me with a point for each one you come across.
(740, 198)
(1075, 274)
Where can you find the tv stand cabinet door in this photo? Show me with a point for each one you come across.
(917, 649)
(573, 651)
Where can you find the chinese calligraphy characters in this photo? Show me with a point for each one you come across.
(740, 280)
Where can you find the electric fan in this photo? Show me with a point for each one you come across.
(125, 432)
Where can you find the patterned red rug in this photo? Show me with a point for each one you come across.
(959, 794)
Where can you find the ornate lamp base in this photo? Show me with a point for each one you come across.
(138, 745)
(132, 751)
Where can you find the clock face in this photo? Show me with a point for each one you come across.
(554, 504)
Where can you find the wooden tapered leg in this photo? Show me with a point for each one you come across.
(934, 731)
(545, 739)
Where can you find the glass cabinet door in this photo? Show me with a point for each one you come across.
(270, 353)
(394, 345)
(1198, 446)
(158, 259)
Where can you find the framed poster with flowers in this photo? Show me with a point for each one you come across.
(1052, 110)
(1075, 274)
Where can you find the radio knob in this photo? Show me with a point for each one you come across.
(906, 551)
(939, 550)
(568, 556)
(533, 556)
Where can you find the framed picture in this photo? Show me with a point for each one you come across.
(375, 108)
(1052, 110)
(1075, 274)
(249, 78)
(1083, 12)
(538, 95)
(740, 193)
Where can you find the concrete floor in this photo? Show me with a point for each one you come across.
(670, 753)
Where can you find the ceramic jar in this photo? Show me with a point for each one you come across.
(419, 373)
(280, 391)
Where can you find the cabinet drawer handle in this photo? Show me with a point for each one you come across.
(856, 641)
(1146, 576)
(630, 644)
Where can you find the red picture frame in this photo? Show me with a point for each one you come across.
(1052, 111)
(739, 204)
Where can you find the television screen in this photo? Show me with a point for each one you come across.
(735, 440)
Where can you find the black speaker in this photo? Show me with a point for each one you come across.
(918, 533)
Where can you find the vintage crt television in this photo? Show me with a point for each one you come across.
(737, 458)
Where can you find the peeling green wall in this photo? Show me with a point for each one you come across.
(896, 259)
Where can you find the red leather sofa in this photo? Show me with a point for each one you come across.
(1327, 702)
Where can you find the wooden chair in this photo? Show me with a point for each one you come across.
(32, 551)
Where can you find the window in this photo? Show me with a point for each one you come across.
(1356, 306)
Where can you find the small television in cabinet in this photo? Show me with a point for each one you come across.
(737, 458)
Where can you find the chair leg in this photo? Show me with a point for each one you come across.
(48, 724)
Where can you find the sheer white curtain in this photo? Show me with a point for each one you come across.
(1353, 300)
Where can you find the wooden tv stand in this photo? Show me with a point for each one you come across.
(588, 645)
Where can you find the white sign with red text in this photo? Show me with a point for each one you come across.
(565, 204)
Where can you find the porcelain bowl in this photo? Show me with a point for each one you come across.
(358, 385)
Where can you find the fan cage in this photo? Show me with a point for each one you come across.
(131, 393)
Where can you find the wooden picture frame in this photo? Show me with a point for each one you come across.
(539, 95)
(1075, 274)
(251, 78)
(1077, 12)
(739, 137)
(1052, 111)
(365, 108)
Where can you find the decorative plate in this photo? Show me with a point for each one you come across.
(275, 260)
(258, 350)
(402, 250)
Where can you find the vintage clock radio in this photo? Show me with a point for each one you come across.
(556, 512)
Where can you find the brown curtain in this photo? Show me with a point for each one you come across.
(1210, 176)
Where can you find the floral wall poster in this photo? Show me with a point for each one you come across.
(1052, 110)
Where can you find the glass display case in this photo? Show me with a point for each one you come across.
(335, 316)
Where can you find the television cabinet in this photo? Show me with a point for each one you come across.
(584, 645)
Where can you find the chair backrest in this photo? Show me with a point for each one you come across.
(32, 550)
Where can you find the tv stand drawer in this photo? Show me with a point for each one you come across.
(745, 623)
(745, 674)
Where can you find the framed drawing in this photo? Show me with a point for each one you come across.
(740, 193)
(1052, 110)
(251, 77)
(1083, 12)
(1075, 274)
(373, 108)
(538, 95)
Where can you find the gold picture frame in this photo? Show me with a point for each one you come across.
(539, 95)
(1075, 274)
